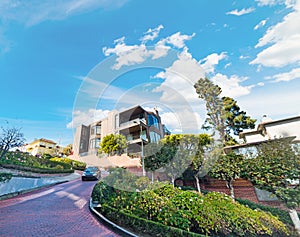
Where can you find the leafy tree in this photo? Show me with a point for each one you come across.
(113, 144)
(199, 162)
(10, 138)
(223, 113)
(235, 120)
(275, 167)
(182, 151)
(228, 168)
(68, 150)
(153, 158)
(173, 162)
(209, 92)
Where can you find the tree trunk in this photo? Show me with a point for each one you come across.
(198, 183)
(152, 177)
(229, 184)
(173, 181)
(295, 218)
(2, 153)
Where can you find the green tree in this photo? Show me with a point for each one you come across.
(113, 144)
(182, 151)
(174, 163)
(10, 138)
(210, 93)
(199, 166)
(228, 168)
(235, 120)
(153, 158)
(223, 113)
(274, 168)
(68, 150)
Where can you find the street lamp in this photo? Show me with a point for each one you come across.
(142, 148)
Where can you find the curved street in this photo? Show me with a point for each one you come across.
(60, 210)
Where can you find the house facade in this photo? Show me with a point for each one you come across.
(42, 146)
(138, 125)
(269, 129)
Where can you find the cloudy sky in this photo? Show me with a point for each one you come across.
(63, 63)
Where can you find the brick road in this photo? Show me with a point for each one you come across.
(60, 210)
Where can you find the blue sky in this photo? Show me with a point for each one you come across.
(63, 63)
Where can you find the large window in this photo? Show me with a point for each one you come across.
(154, 137)
(96, 130)
(95, 143)
(153, 121)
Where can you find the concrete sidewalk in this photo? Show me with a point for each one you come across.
(18, 184)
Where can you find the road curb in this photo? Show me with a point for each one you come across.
(14, 194)
(110, 223)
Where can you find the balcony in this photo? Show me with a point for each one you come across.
(132, 123)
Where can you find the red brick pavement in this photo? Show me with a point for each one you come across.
(61, 210)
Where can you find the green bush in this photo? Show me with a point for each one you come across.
(281, 214)
(4, 177)
(213, 214)
(141, 225)
(76, 165)
(22, 159)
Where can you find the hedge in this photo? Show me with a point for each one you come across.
(281, 214)
(143, 225)
(37, 169)
(76, 165)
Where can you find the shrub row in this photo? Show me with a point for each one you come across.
(5, 177)
(37, 169)
(281, 214)
(76, 165)
(23, 159)
(212, 214)
(141, 225)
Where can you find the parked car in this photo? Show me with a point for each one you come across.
(91, 173)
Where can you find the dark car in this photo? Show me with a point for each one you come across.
(91, 173)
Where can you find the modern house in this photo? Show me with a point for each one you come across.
(138, 125)
(269, 129)
(42, 146)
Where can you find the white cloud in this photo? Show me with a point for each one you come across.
(87, 117)
(280, 54)
(231, 85)
(135, 54)
(184, 121)
(244, 11)
(127, 54)
(284, 38)
(287, 76)
(177, 40)
(288, 3)
(268, 2)
(227, 65)
(211, 61)
(36, 11)
(275, 105)
(180, 78)
(260, 24)
(151, 34)
(244, 57)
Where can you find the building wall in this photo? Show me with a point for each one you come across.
(287, 129)
(111, 125)
(42, 146)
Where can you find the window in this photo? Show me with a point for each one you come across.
(96, 130)
(95, 143)
(153, 121)
(154, 137)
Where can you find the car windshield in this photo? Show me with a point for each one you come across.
(91, 169)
